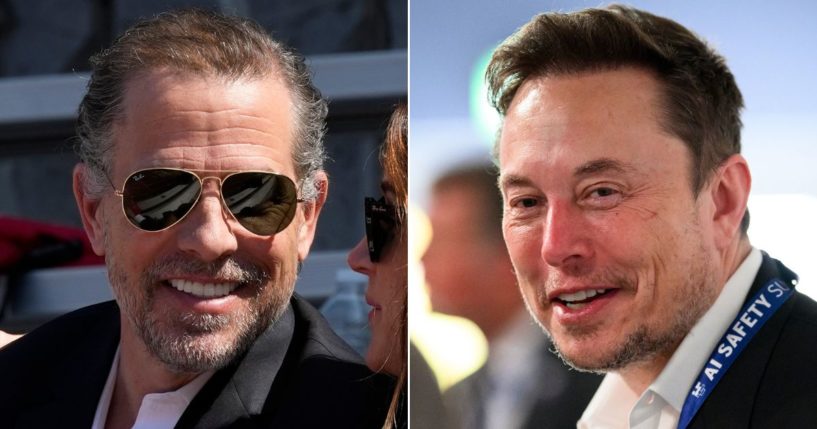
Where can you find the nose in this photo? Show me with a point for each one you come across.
(358, 258)
(565, 240)
(206, 232)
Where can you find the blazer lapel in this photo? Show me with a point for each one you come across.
(79, 377)
(731, 402)
(235, 395)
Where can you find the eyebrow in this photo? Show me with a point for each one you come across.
(513, 180)
(602, 165)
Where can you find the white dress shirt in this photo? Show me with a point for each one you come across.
(157, 410)
(615, 405)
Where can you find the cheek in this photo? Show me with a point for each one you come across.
(391, 280)
(132, 249)
(524, 245)
(378, 350)
(656, 252)
(394, 289)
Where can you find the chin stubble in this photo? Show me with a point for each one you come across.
(647, 343)
(193, 342)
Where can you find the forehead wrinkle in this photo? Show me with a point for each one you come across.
(198, 158)
(228, 162)
(213, 121)
(214, 134)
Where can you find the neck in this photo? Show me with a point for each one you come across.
(139, 374)
(732, 258)
(639, 376)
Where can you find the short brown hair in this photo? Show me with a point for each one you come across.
(701, 101)
(203, 43)
(480, 179)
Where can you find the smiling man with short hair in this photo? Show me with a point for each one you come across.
(625, 218)
(201, 183)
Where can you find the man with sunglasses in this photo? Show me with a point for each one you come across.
(625, 218)
(201, 182)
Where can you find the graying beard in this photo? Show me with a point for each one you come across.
(639, 347)
(181, 354)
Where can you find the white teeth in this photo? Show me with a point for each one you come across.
(570, 298)
(576, 296)
(204, 290)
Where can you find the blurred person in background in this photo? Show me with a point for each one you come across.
(382, 255)
(625, 218)
(469, 274)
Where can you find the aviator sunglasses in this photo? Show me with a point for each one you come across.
(380, 223)
(155, 199)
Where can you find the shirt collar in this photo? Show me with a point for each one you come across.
(674, 381)
(614, 401)
(182, 397)
(101, 414)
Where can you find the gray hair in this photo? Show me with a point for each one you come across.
(200, 43)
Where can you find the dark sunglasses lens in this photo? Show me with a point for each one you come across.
(379, 226)
(156, 199)
(264, 203)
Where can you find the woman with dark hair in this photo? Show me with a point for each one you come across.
(382, 255)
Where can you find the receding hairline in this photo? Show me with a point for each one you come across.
(132, 84)
(183, 75)
(660, 96)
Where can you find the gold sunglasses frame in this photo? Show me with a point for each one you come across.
(202, 175)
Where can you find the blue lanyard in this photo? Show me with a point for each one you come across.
(748, 322)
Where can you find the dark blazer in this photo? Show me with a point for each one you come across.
(298, 374)
(427, 411)
(773, 383)
(561, 397)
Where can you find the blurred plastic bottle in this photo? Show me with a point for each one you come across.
(347, 311)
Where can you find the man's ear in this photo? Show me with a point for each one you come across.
(89, 210)
(311, 211)
(730, 194)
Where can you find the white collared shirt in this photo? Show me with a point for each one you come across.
(615, 405)
(157, 410)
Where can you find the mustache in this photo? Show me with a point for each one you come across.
(228, 268)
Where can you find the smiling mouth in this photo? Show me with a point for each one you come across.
(203, 290)
(578, 300)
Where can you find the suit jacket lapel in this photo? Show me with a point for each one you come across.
(79, 378)
(731, 402)
(235, 395)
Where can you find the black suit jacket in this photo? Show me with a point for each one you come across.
(297, 374)
(773, 383)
